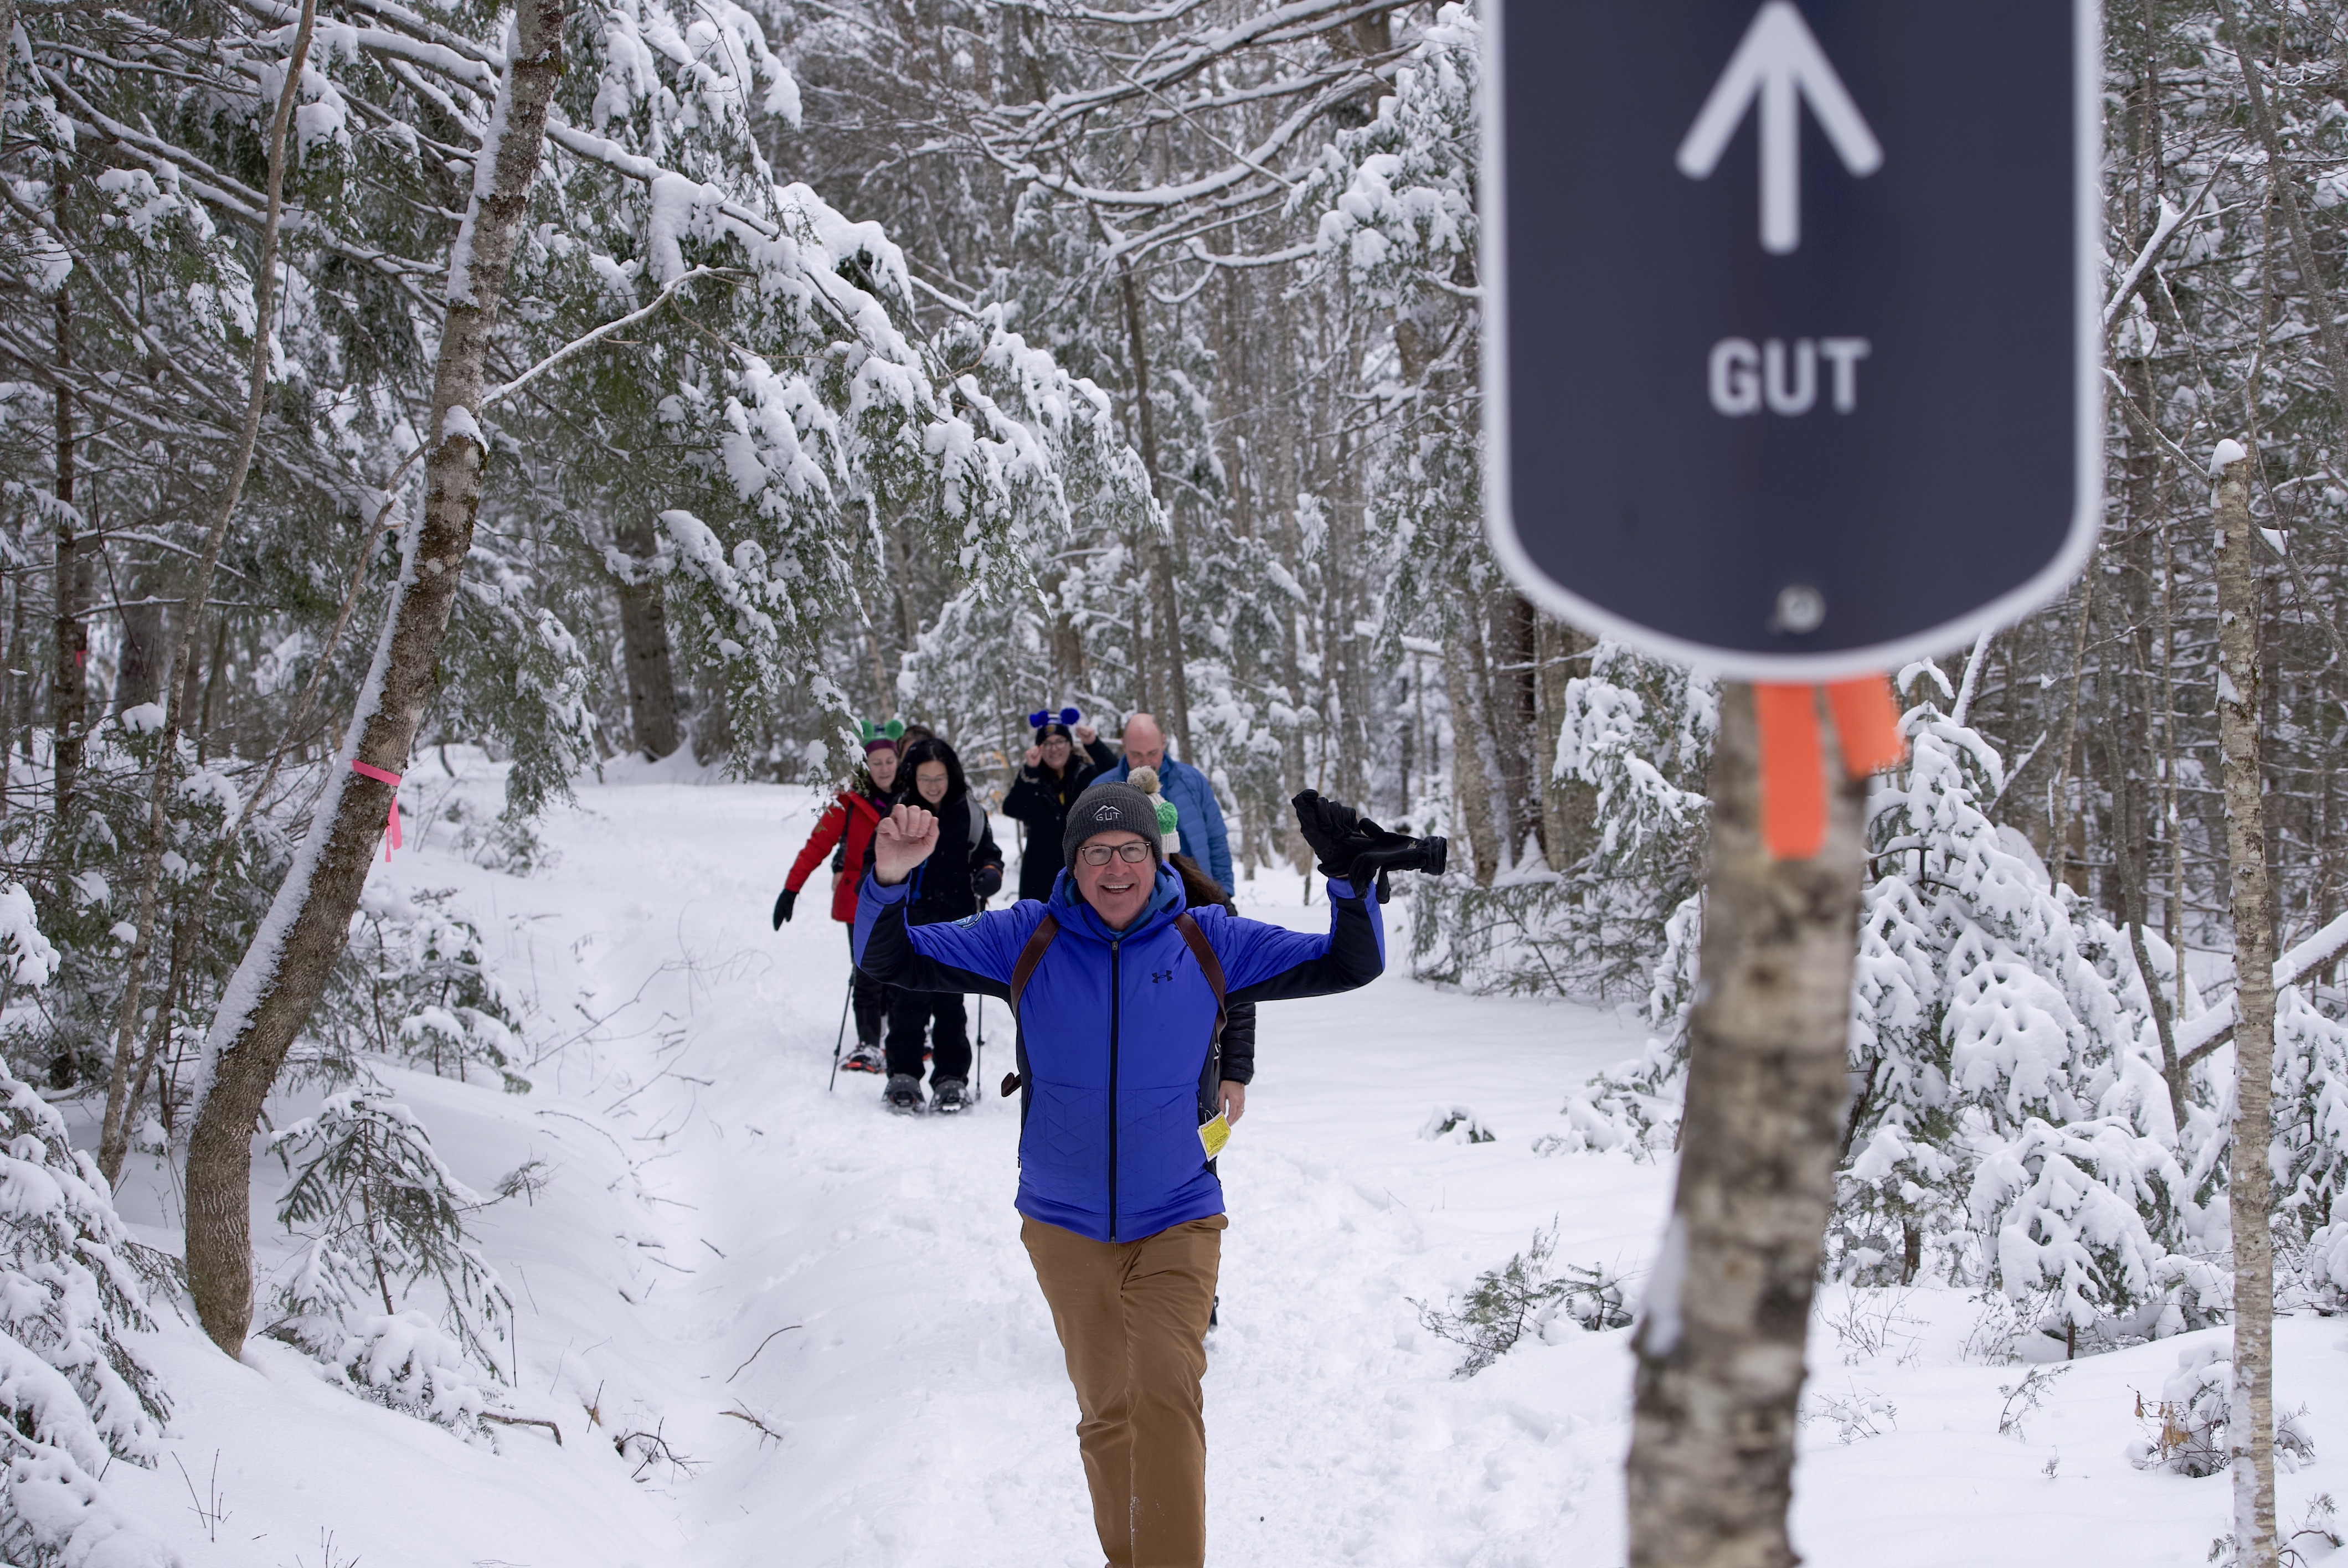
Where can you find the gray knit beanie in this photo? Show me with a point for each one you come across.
(1111, 805)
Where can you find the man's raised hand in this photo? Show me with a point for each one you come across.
(903, 841)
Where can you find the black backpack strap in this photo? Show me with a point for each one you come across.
(1024, 971)
(1212, 967)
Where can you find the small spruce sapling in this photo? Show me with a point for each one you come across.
(415, 985)
(384, 1218)
(1523, 1296)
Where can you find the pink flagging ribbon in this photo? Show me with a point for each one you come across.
(367, 770)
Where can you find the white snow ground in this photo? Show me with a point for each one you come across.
(722, 1240)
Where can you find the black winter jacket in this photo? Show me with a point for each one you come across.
(943, 884)
(1040, 803)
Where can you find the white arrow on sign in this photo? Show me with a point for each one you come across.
(1780, 63)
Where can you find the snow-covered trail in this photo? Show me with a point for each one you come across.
(816, 1327)
(923, 1413)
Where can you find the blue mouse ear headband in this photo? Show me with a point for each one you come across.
(1042, 716)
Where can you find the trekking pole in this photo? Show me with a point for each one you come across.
(978, 1075)
(843, 1038)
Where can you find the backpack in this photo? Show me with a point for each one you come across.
(1201, 948)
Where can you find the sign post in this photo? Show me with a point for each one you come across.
(1791, 362)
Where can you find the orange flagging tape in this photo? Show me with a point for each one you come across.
(1793, 768)
(1868, 722)
(1793, 775)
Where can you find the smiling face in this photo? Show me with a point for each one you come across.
(929, 778)
(882, 762)
(1056, 753)
(1118, 889)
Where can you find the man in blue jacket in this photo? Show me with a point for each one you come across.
(1122, 1213)
(1190, 791)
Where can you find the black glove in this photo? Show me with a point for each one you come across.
(1338, 834)
(1332, 829)
(783, 902)
(986, 881)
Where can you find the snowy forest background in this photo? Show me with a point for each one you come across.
(978, 356)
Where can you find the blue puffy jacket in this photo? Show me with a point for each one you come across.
(1114, 1030)
(1198, 815)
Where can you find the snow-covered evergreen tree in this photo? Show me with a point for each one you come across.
(390, 1294)
(76, 1388)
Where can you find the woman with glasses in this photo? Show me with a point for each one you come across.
(1065, 758)
(951, 885)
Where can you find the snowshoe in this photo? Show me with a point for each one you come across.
(903, 1095)
(865, 1058)
(950, 1095)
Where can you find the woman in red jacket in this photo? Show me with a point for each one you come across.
(847, 824)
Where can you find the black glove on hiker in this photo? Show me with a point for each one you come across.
(783, 902)
(986, 881)
(1338, 834)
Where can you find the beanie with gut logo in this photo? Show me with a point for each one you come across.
(1111, 805)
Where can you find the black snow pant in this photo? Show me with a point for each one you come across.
(870, 997)
(909, 1013)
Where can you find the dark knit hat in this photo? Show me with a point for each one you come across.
(1110, 806)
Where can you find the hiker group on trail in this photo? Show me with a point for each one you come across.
(844, 832)
(1133, 982)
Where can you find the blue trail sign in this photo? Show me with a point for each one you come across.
(1793, 347)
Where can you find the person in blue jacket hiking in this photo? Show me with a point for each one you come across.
(1200, 823)
(1121, 993)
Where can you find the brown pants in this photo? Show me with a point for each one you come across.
(1132, 1316)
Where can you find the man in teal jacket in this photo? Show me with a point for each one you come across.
(1122, 1211)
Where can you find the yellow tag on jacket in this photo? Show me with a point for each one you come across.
(1214, 1134)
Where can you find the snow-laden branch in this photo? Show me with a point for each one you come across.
(1247, 166)
(2196, 1038)
(1183, 58)
(2171, 219)
(579, 344)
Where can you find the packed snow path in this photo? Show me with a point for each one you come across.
(818, 1323)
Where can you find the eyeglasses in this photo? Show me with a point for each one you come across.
(1098, 853)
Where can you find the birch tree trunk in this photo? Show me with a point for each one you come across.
(278, 983)
(2250, 1428)
(1720, 1344)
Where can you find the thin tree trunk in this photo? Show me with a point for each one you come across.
(1165, 603)
(643, 633)
(2279, 187)
(279, 981)
(2250, 1429)
(12, 649)
(1471, 794)
(1720, 1347)
(114, 1136)
(1508, 832)
(212, 689)
(140, 680)
(2058, 810)
(68, 697)
(1516, 717)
